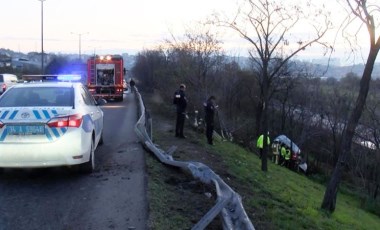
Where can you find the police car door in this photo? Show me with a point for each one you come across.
(94, 111)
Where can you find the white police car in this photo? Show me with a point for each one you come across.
(49, 124)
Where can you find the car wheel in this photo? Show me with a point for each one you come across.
(89, 166)
(101, 141)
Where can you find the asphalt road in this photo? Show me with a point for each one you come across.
(113, 197)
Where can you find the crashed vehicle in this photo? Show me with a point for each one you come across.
(296, 159)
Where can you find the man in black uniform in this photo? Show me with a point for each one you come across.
(132, 85)
(180, 101)
(210, 108)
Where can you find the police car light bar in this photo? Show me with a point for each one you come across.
(52, 77)
(69, 77)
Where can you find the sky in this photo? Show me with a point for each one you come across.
(126, 25)
(111, 26)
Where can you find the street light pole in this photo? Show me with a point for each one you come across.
(42, 36)
(80, 43)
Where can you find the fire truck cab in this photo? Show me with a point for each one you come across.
(105, 77)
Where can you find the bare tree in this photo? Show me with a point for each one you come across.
(198, 54)
(150, 68)
(270, 27)
(336, 118)
(365, 13)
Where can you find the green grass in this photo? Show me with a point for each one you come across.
(277, 199)
(283, 199)
(161, 196)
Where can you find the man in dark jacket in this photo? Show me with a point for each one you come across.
(180, 101)
(132, 83)
(210, 108)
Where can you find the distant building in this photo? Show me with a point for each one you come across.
(5, 60)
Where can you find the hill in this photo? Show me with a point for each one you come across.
(277, 199)
(321, 68)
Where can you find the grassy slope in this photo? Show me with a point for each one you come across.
(277, 199)
(289, 200)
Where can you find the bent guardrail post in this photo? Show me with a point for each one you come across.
(228, 203)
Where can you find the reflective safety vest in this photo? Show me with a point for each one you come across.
(260, 141)
(287, 154)
(283, 152)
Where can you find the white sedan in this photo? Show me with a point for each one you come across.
(49, 124)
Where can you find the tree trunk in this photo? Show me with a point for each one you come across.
(330, 197)
(259, 112)
(264, 160)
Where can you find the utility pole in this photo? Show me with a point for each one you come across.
(80, 43)
(42, 36)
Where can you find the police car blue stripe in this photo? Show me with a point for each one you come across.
(5, 133)
(87, 123)
(49, 137)
(38, 116)
(47, 115)
(63, 130)
(13, 115)
(55, 132)
(4, 114)
(54, 112)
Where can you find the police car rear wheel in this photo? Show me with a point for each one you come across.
(89, 166)
(101, 142)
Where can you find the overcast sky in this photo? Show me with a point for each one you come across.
(107, 26)
(128, 25)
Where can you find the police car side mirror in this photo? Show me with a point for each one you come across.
(101, 101)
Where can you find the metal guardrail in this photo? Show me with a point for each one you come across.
(228, 203)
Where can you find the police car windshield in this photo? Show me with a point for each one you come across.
(37, 96)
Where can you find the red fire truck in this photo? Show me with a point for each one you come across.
(105, 76)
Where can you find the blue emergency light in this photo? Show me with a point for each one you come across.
(68, 77)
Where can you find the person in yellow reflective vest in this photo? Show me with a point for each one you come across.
(287, 157)
(285, 154)
(260, 143)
